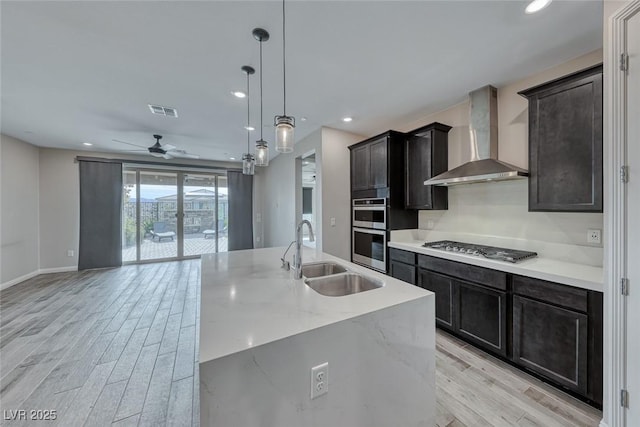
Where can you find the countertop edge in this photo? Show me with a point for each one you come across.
(236, 287)
(528, 268)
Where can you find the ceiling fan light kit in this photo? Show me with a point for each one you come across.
(285, 125)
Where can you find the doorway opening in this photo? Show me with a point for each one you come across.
(309, 208)
(169, 215)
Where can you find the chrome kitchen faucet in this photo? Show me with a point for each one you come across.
(297, 257)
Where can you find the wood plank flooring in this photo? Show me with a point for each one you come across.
(119, 347)
(103, 347)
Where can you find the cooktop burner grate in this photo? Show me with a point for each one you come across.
(490, 252)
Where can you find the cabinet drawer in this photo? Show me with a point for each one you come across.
(566, 296)
(402, 271)
(402, 256)
(484, 276)
(551, 341)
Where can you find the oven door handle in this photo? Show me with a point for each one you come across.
(369, 231)
(369, 208)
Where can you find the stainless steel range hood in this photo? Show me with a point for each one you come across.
(483, 129)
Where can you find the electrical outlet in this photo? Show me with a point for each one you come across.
(333, 222)
(258, 217)
(593, 236)
(430, 224)
(319, 380)
(70, 253)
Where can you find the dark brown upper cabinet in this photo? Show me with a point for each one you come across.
(377, 171)
(426, 151)
(565, 143)
(369, 162)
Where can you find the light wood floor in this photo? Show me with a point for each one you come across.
(120, 347)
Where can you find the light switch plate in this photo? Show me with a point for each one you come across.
(333, 222)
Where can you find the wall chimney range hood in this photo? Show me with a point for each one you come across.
(483, 128)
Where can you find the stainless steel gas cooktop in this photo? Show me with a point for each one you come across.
(490, 252)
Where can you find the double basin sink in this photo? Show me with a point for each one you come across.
(333, 280)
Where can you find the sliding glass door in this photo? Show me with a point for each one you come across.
(172, 214)
(158, 220)
(205, 218)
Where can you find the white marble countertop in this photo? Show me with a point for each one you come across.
(248, 300)
(578, 275)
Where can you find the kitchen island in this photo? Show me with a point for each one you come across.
(261, 333)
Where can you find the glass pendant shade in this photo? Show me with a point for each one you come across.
(262, 153)
(285, 126)
(248, 164)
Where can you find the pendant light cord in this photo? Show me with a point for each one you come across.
(284, 63)
(248, 120)
(261, 127)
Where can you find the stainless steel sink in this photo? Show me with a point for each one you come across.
(317, 269)
(343, 284)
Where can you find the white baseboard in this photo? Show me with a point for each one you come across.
(33, 274)
(17, 280)
(58, 269)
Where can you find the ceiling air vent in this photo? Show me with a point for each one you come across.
(163, 111)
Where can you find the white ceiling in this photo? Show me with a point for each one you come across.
(85, 71)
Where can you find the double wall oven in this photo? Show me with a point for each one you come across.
(369, 232)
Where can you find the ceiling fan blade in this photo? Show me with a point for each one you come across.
(169, 147)
(167, 156)
(128, 143)
(157, 155)
(184, 155)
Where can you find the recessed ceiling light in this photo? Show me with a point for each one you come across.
(249, 128)
(347, 119)
(232, 158)
(303, 119)
(88, 144)
(305, 163)
(536, 6)
(238, 94)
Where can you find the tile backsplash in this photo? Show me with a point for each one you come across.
(499, 211)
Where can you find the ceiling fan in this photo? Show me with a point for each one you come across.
(166, 151)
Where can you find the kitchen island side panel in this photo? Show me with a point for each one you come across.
(381, 373)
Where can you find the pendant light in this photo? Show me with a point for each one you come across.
(248, 161)
(262, 149)
(284, 124)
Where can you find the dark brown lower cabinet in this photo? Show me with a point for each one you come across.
(402, 265)
(551, 341)
(482, 316)
(443, 287)
(554, 331)
(402, 271)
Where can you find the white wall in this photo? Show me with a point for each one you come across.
(41, 204)
(59, 207)
(278, 189)
(281, 195)
(501, 208)
(336, 198)
(19, 209)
